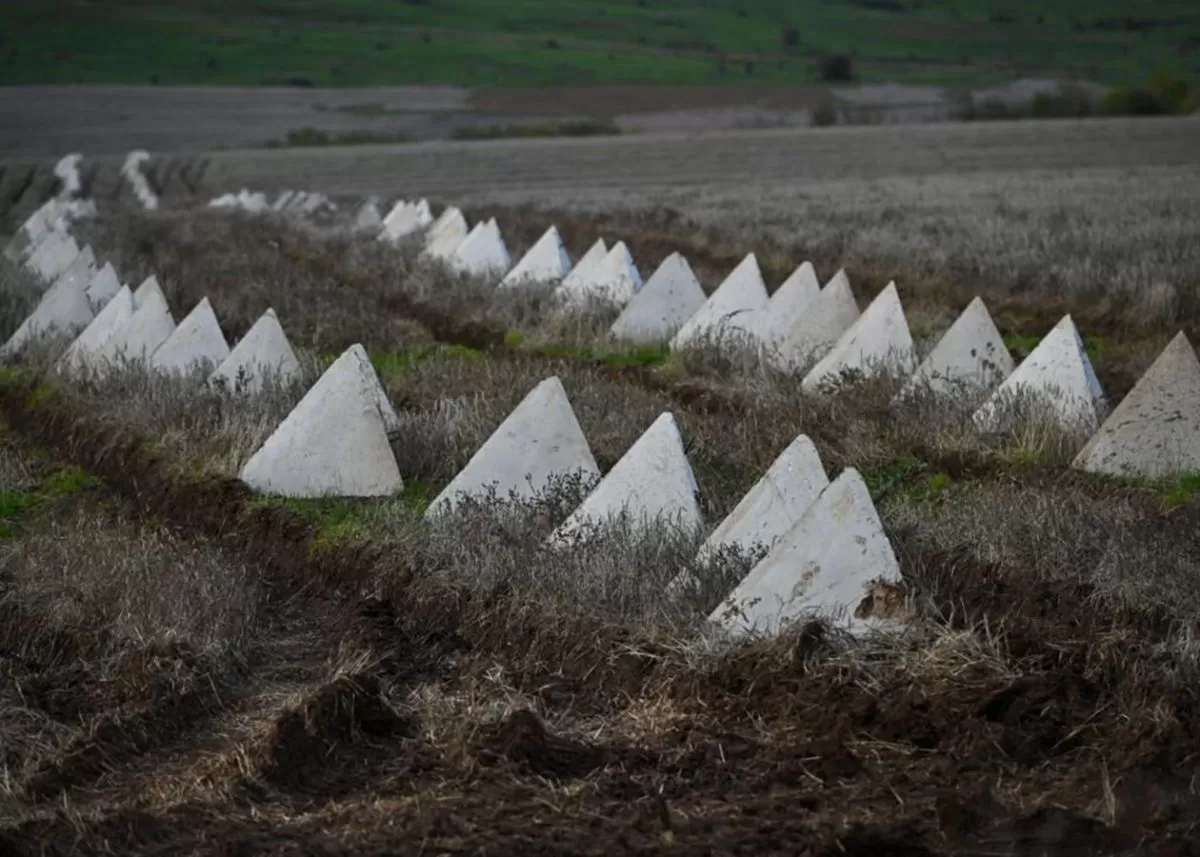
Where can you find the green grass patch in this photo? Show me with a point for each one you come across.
(896, 477)
(1020, 344)
(480, 43)
(1179, 492)
(392, 364)
(646, 355)
(57, 485)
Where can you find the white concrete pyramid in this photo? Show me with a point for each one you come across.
(483, 252)
(541, 439)
(31, 232)
(815, 330)
(409, 217)
(824, 565)
(136, 338)
(296, 200)
(581, 274)
(53, 255)
(87, 345)
(195, 342)
(670, 297)
(131, 170)
(148, 290)
(971, 357)
(446, 234)
(652, 484)
(613, 280)
(1155, 431)
(731, 311)
(775, 503)
(63, 309)
(263, 350)
(1093, 382)
(788, 302)
(80, 272)
(334, 442)
(102, 287)
(1056, 374)
(545, 262)
(67, 172)
(368, 218)
(879, 341)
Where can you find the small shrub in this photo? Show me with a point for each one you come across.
(791, 36)
(824, 114)
(837, 68)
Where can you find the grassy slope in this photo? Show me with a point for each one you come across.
(482, 42)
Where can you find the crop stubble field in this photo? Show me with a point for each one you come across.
(336, 677)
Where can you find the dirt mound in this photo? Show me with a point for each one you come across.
(522, 738)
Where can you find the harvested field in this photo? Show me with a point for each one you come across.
(341, 677)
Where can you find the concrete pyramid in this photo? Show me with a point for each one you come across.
(195, 342)
(64, 308)
(815, 330)
(789, 301)
(970, 357)
(1056, 374)
(775, 503)
(131, 171)
(263, 350)
(729, 311)
(148, 290)
(67, 172)
(406, 218)
(88, 345)
(1155, 431)
(142, 333)
(666, 301)
(824, 564)
(581, 274)
(545, 262)
(333, 443)
(102, 287)
(53, 255)
(80, 272)
(652, 483)
(31, 232)
(446, 234)
(613, 280)
(670, 297)
(368, 218)
(539, 440)
(482, 252)
(878, 341)
(1093, 382)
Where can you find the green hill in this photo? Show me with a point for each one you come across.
(531, 42)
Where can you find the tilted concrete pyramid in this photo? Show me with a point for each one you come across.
(670, 297)
(103, 286)
(53, 255)
(136, 338)
(541, 439)
(197, 341)
(283, 200)
(652, 484)
(969, 358)
(770, 509)
(263, 350)
(333, 443)
(1056, 375)
(88, 345)
(446, 234)
(63, 309)
(788, 302)
(731, 311)
(581, 274)
(813, 332)
(483, 252)
(545, 262)
(878, 342)
(406, 218)
(775, 503)
(824, 565)
(1155, 432)
(79, 273)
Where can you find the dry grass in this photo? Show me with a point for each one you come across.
(1054, 664)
